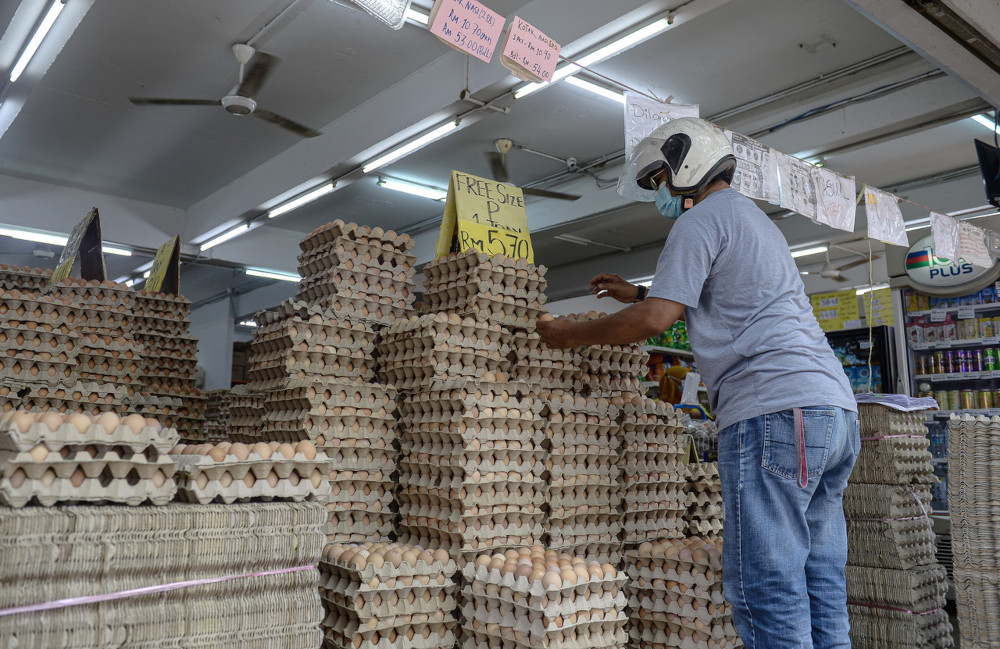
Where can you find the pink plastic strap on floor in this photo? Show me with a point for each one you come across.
(146, 590)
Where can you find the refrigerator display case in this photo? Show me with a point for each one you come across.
(854, 347)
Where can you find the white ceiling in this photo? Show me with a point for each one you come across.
(190, 170)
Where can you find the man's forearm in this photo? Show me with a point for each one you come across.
(631, 325)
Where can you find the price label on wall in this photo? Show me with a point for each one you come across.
(484, 215)
(878, 307)
(836, 311)
(528, 53)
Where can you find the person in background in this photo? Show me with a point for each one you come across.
(787, 417)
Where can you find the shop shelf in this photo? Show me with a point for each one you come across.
(955, 344)
(994, 306)
(958, 376)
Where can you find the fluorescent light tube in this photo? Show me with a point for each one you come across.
(30, 235)
(432, 193)
(248, 323)
(805, 252)
(145, 275)
(609, 50)
(298, 202)
(596, 89)
(272, 274)
(985, 121)
(243, 228)
(877, 287)
(410, 147)
(130, 282)
(36, 39)
(417, 16)
(116, 250)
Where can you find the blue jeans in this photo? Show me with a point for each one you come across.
(785, 545)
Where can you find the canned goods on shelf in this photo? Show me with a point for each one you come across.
(984, 400)
(968, 399)
(944, 403)
(954, 399)
(985, 327)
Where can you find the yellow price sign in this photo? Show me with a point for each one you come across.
(834, 310)
(484, 215)
(165, 268)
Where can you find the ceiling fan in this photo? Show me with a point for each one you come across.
(498, 163)
(835, 272)
(241, 100)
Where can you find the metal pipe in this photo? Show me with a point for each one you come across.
(271, 23)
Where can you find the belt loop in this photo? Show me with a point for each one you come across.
(800, 448)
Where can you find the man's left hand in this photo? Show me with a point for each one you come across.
(555, 333)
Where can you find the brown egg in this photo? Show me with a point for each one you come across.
(108, 421)
(262, 450)
(249, 480)
(272, 479)
(286, 451)
(79, 421)
(78, 477)
(217, 453)
(307, 448)
(394, 558)
(39, 452)
(240, 451)
(17, 478)
(135, 423)
(51, 419)
(568, 577)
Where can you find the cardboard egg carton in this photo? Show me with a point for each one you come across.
(383, 611)
(885, 501)
(22, 431)
(474, 495)
(28, 342)
(317, 333)
(23, 278)
(895, 460)
(85, 475)
(363, 457)
(162, 304)
(478, 265)
(93, 292)
(324, 235)
(43, 309)
(280, 364)
(499, 309)
(16, 368)
(418, 636)
(396, 285)
(204, 479)
(876, 419)
(918, 589)
(379, 310)
(872, 627)
(464, 290)
(79, 396)
(900, 544)
(345, 524)
(488, 538)
(578, 495)
(358, 493)
(722, 636)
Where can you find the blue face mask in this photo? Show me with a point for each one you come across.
(669, 206)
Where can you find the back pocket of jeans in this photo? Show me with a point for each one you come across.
(780, 456)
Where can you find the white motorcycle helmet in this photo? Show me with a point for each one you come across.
(693, 151)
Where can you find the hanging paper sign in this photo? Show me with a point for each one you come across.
(756, 168)
(484, 215)
(84, 244)
(391, 12)
(798, 190)
(528, 53)
(944, 231)
(836, 199)
(467, 26)
(878, 307)
(643, 115)
(972, 246)
(885, 221)
(164, 275)
(834, 311)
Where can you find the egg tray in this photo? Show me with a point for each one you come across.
(482, 528)
(412, 497)
(9, 272)
(902, 461)
(878, 419)
(166, 302)
(434, 607)
(532, 592)
(128, 482)
(296, 334)
(582, 636)
(376, 501)
(466, 516)
(471, 543)
(335, 230)
(394, 284)
(369, 524)
(25, 307)
(341, 622)
(97, 291)
(349, 261)
(441, 348)
(497, 310)
(918, 589)
(343, 364)
(602, 531)
(326, 395)
(377, 309)
(437, 637)
(168, 345)
(685, 634)
(21, 338)
(199, 478)
(890, 544)
(578, 495)
(899, 630)
(497, 268)
(545, 626)
(22, 436)
(465, 290)
(588, 549)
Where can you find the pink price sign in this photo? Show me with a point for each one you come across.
(468, 26)
(528, 53)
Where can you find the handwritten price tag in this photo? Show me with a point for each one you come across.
(939, 315)
(494, 241)
(966, 312)
(486, 215)
(467, 26)
(528, 53)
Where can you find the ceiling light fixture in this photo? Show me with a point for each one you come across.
(36, 39)
(877, 287)
(410, 147)
(299, 201)
(433, 193)
(247, 323)
(54, 239)
(600, 91)
(986, 121)
(805, 252)
(583, 241)
(418, 17)
(242, 228)
(272, 274)
(615, 47)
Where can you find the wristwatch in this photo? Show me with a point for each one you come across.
(641, 295)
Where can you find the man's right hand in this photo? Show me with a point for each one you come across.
(607, 285)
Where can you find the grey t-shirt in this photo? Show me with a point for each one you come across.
(755, 339)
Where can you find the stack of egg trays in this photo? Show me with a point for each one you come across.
(162, 326)
(48, 554)
(654, 473)
(676, 597)
(355, 424)
(471, 467)
(88, 398)
(246, 412)
(502, 610)
(106, 359)
(106, 309)
(880, 604)
(584, 472)
(23, 278)
(53, 457)
(364, 273)
(371, 606)
(217, 404)
(498, 289)
(542, 368)
(974, 509)
(203, 479)
(612, 369)
(416, 352)
(298, 341)
(39, 342)
(704, 500)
